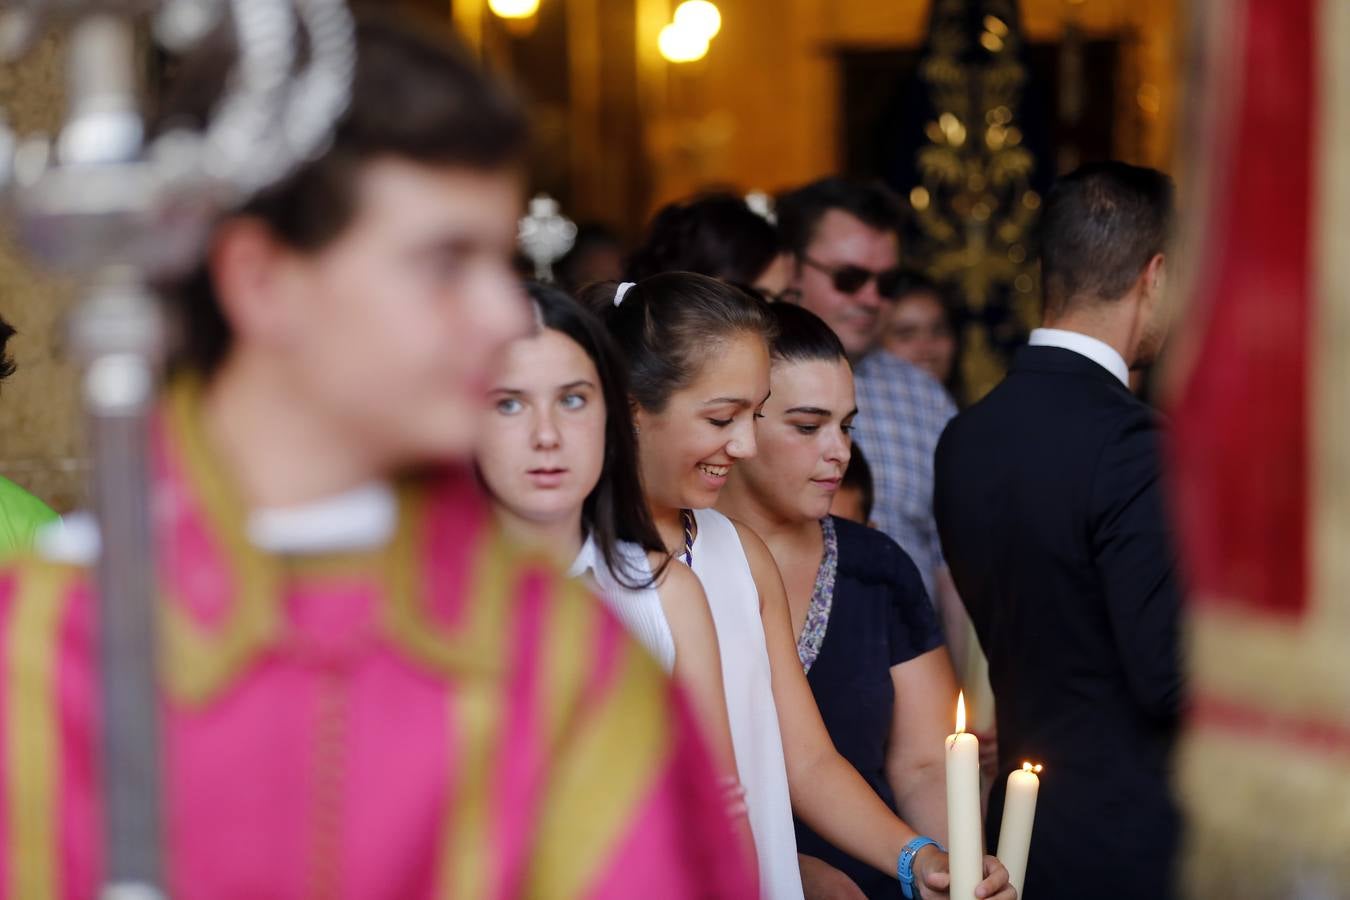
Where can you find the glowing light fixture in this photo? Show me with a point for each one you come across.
(700, 17)
(514, 9)
(679, 44)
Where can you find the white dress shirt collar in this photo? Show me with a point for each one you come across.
(1100, 352)
(588, 559)
(359, 519)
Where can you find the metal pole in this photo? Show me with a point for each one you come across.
(113, 212)
(119, 335)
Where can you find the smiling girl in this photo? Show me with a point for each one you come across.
(698, 362)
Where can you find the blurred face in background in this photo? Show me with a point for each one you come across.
(390, 332)
(776, 279)
(843, 246)
(916, 329)
(597, 261)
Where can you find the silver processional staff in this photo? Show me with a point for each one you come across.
(116, 211)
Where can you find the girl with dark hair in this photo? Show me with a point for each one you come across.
(610, 510)
(866, 634)
(558, 459)
(697, 352)
(716, 235)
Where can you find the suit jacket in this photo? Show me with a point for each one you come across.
(1049, 503)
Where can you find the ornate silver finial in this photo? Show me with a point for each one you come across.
(546, 235)
(113, 206)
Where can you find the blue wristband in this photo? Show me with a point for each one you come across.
(904, 866)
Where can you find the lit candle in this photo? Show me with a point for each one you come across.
(965, 831)
(1019, 813)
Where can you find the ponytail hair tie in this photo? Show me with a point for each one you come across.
(623, 289)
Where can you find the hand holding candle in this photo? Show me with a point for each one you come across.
(964, 827)
(1019, 814)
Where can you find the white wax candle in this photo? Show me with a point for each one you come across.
(1019, 813)
(965, 831)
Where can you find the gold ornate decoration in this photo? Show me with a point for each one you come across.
(973, 204)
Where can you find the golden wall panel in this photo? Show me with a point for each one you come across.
(762, 109)
(41, 446)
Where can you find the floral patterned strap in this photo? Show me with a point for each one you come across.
(822, 598)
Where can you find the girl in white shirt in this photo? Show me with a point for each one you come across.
(558, 459)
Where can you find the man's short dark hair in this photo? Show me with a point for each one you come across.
(1102, 224)
(800, 211)
(413, 98)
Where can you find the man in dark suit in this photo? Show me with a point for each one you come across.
(1049, 503)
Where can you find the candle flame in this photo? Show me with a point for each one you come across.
(1034, 769)
(961, 712)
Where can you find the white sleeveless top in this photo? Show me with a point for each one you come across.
(639, 610)
(721, 564)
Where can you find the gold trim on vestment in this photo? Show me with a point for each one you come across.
(469, 857)
(32, 730)
(571, 625)
(201, 660)
(581, 826)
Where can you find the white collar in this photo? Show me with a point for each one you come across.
(587, 558)
(359, 519)
(1100, 352)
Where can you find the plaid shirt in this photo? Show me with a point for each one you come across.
(902, 411)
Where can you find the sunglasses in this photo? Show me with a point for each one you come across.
(850, 279)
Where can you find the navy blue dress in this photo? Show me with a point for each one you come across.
(876, 616)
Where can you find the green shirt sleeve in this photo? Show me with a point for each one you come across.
(21, 517)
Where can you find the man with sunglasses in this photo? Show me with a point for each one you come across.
(844, 236)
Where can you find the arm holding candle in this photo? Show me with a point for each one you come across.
(827, 792)
(924, 685)
(925, 688)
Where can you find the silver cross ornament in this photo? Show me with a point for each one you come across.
(546, 235)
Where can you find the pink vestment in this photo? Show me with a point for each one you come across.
(441, 717)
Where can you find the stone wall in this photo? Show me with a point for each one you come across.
(41, 445)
